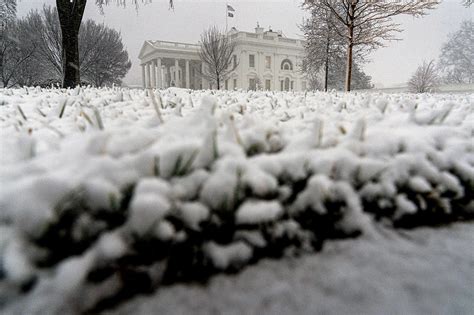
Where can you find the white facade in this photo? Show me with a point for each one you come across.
(265, 60)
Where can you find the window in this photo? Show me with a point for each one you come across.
(286, 65)
(252, 61)
(235, 83)
(287, 84)
(268, 62)
(292, 85)
(281, 85)
(252, 84)
(268, 85)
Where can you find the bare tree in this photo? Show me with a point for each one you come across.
(16, 49)
(368, 23)
(360, 80)
(322, 45)
(7, 17)
(324, 54)
(425, 79)
(216, 53)
(336, 76)
(45, 33)
(28, 71)
(102, 58)
(7, 11)
(467, 3)
(457, 55)
(70, 17)
(313, 78)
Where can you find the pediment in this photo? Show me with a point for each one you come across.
(146, 49)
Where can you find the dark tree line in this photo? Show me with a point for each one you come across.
(38, 44)
(70, 14)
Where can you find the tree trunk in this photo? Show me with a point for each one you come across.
(5, 82)
(349, 68)
(218, 83)
(70, 17)
(326, 67)
(349, 48)
(70, 45)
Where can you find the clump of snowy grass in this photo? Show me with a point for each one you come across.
(121, 191)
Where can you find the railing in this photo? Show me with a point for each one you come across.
(265, 38)
(174, 44)
(287, 40)
(233, 36)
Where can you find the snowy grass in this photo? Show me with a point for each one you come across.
(106, 193)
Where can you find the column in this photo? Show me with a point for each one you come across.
(258, 62)
(187, 73)
(153, 74)
(163, 76)
(168, 70)
(176, 73)
(243, 69)
(276, 70)
(143, 76)
(148, 83)
(159, 83)
(296, 68)
(261, 69)
(202, 75)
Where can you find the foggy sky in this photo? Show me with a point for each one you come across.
(421, 40)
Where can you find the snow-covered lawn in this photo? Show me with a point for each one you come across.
(108, 193)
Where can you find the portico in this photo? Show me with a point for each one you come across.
(165, 64)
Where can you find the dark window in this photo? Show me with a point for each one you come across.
(287, 84)
(252, 61)
(252, 84)
(286, 65)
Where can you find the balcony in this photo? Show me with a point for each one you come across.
(265, 38)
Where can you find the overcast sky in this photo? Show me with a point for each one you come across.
(421, 40)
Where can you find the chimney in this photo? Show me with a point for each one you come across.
(258, 29)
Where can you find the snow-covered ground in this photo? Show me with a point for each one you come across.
(426, 271)
(107, 193)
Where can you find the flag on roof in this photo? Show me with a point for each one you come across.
(229, 8)
(229, 14)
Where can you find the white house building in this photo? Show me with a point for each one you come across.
(265, 60)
